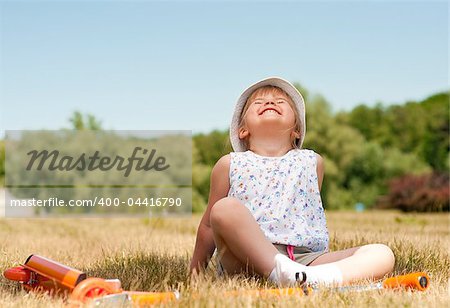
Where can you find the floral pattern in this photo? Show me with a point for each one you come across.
(282, 193)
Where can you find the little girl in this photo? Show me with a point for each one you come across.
(264, 213)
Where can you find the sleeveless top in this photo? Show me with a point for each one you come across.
(282, 194)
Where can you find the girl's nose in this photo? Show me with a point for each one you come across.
(269, 102)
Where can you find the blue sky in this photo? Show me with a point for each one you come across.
(181, 65)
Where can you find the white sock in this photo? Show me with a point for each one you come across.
(287, 272)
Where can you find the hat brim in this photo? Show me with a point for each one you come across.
(238, 144)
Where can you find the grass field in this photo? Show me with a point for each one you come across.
(153, 255)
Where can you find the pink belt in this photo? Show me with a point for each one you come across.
(290, 251)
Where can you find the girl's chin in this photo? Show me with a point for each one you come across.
(274, 119)
(270, 124)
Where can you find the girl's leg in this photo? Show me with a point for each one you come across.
(368, 261)
(239, 240)
(242, 246)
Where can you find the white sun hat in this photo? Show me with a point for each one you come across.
(238, 144)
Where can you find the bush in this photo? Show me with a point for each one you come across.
(421, 193)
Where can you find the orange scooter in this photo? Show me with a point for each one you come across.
(42, 274)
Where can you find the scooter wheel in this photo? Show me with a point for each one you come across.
(91, 288)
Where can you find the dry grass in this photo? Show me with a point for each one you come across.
(153, 255)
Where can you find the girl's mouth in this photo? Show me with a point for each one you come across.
(270, 110)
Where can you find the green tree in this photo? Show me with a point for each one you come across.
(436, 143)
(86, 122)
(415, 127)
(200, 182)
(212, 146)
(2, 163)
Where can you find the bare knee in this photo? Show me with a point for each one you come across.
(387, 254)
(390, 257)
(383, 254)
(223, 211)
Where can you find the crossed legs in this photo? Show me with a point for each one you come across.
(243, 247)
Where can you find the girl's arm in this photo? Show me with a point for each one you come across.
(204, 244)
(320, 170)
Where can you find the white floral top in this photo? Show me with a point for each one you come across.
(282, 193)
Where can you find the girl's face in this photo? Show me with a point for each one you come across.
(269, 110)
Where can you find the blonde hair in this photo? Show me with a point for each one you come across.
(274, 91)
